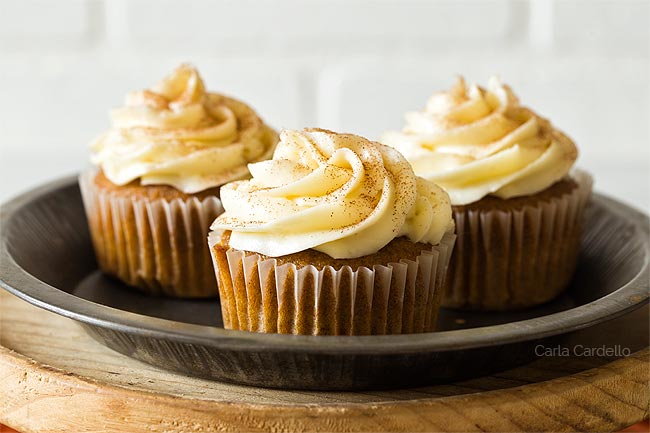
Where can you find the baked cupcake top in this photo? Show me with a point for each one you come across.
(339, 194)
(176, 133)
(475, 142)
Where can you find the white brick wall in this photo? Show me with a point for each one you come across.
(299, 26)
(33, 24)
(594, 27)
(348, 65)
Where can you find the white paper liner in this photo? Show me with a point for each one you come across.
(261, 296)
(507, 260)
(155, 245)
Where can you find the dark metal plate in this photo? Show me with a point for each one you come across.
(46, 258)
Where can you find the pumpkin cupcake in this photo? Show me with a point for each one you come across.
(156, 191)
(333, 236)
(517, 204)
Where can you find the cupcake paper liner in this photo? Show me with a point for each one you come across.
(259, 295)
(512, 259)
(156, 245)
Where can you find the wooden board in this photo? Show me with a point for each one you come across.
(55, 378)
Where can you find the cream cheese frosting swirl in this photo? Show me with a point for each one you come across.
(475, 142)
(339, 194)
(178, 134)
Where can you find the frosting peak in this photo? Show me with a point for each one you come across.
(177, 134)
(336, 193)
(474, 142)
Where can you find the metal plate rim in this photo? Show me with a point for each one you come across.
(21, 283)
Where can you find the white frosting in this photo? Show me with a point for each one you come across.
(336, 193)
(178, 134)
(474, 142)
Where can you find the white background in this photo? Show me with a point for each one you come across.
(348, 65)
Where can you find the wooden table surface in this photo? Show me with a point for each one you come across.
(55, 378)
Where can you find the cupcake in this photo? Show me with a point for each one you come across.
(155, 192)
(333, 236)
(517, 203)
